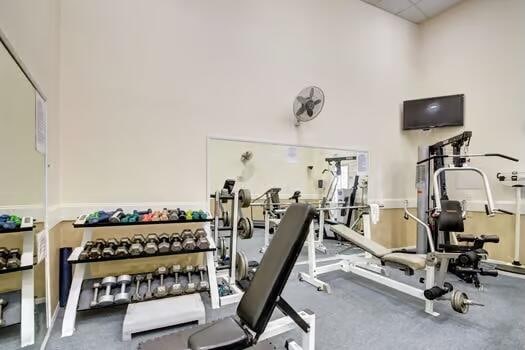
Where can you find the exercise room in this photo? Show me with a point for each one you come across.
(239, 174)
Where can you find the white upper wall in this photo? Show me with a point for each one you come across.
(478, 48)
(144, 83)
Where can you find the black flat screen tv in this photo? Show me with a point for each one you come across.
(433, 112)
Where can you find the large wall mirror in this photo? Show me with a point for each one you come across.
(22, 210)
(283, 173)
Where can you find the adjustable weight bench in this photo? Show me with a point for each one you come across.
(411, 261)
(252, 322)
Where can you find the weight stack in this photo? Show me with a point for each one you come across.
(65, 275)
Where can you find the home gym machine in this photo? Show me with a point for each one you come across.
(515, 180)
(445, 216)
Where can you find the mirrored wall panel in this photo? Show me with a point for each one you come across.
(22, 211)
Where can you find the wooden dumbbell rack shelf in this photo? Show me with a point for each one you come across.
(24, 229)
(22, 303)
(74, 304)
(16, 269)
(86, 295)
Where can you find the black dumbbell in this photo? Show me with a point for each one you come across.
(201, 239)
(84, 254)
(164, 244)
(176, 242)
(123, 248)
(137, 245)
(3, 304)
(110, 248)
(152, 241)
(188, 240)
(14, 258)
(3, 257)
(96, 251)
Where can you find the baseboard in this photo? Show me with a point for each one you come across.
(50, 328)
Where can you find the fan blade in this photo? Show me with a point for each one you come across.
(310, 112)
(316, 102)
(311, 92)
(301, 99)
(300, 111)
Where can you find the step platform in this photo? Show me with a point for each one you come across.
(167, 312)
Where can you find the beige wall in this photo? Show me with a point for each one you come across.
(142, 86)
(478, 48)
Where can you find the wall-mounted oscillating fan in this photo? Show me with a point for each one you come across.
(308, 104)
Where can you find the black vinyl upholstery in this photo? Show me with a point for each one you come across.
(451, 217)
(258, 302)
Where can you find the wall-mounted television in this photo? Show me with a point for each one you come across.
(433, 112)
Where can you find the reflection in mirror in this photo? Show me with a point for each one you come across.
(22, 196)
(276, 175)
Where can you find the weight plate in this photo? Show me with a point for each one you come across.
(222, 248)
(458, 302)
(225, 219)
(245, 198)
(245, 228)
(241, 266)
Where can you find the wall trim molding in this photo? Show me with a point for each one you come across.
(70, 211)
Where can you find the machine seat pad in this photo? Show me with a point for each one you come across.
(361, 241)
(451, 217)
(414, 261)
(225, 334)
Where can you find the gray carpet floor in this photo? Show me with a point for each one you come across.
(358, 314)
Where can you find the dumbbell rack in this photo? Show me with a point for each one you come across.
(27, 292)
(228, 275)
(68, 324)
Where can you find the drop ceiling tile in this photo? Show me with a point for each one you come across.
(413, 14)
(394, 6)
(433, 7)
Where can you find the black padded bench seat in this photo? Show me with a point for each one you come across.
(261, 298)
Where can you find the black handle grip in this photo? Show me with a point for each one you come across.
(492, 273)
(487, 209)
(502, 156)
(505, 211)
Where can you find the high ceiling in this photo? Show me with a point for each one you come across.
(415, 11)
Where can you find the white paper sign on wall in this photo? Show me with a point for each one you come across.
(41, 246)
(362, 163)
(292, 154)
(41, 120)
